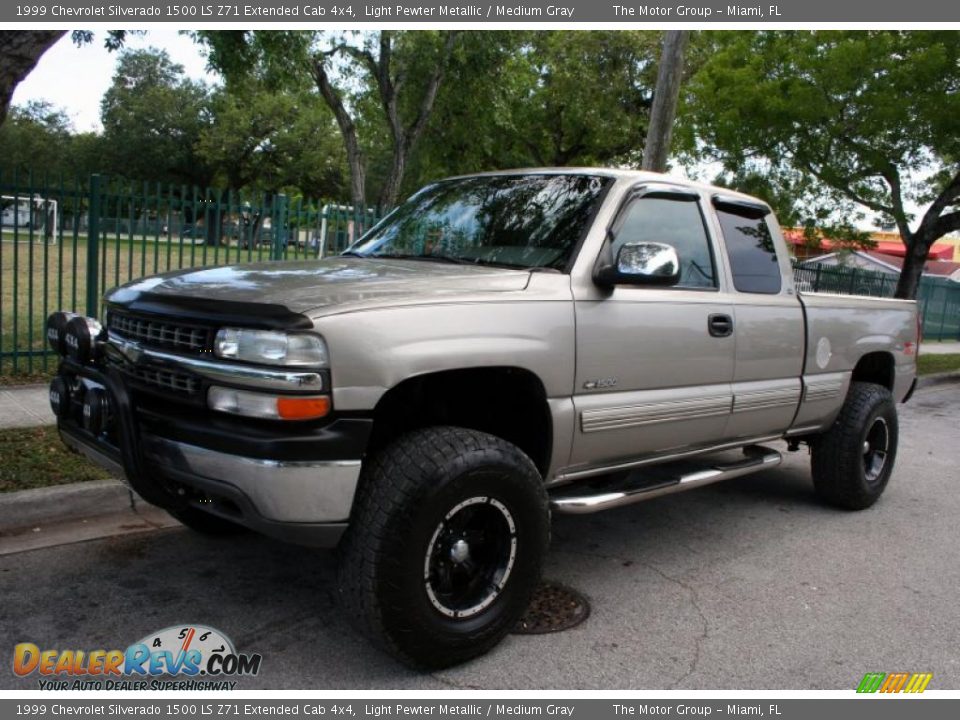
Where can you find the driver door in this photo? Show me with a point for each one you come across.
(654, 364)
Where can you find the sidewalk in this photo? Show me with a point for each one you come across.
(29, 406)
(25, 406)
(940, 348)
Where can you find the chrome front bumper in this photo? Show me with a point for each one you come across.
(288, 492)
(306, 502)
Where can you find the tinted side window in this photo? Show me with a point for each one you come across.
(753, 258)
(675, 222)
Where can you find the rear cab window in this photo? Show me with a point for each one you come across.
(750, 246)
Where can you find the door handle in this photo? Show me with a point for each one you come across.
(720, 325)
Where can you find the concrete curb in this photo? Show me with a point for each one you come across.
(61, 503)
(951, 376)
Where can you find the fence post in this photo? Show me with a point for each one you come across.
(93, 247)
(277, 226)
(943, 315)
(923, 313)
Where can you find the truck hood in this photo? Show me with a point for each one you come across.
(323, 284)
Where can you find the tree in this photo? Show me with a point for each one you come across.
(402, 71)
(35, 141)
(667, 93)
(153, 116)
(266, 140)
(20, 50)
(871, 118)
(542, 98)
(390, 72)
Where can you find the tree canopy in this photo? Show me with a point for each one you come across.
(153, 117)
(838, 119)
(387, 80)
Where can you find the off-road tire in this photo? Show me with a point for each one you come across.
(845, 473)
(407, 492)
(205, 523)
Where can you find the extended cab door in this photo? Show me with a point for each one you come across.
(768, 320)
(654, 364)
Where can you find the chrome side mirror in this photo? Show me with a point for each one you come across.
(642, 263)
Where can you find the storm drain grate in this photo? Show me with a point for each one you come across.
(554, 608)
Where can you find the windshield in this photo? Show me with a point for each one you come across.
(522, 221)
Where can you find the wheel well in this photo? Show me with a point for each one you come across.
(503, 401)
(875, 367)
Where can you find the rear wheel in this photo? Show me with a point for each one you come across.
(449, 530)
(852, 461)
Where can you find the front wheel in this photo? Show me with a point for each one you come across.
(853, 460)
(445, 546)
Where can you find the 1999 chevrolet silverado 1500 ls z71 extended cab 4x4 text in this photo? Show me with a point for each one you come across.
(499, 347)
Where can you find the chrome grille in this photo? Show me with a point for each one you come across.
(167, 379)
(163, 334)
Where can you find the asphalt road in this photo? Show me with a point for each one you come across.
(748, 584)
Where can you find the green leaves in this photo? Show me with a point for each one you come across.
(859, 112)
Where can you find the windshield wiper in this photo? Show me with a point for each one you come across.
(351, 253)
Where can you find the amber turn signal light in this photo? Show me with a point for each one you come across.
(303, 408)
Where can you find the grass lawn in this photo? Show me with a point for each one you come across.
(930, 363)
(39, 376)
(35, 457)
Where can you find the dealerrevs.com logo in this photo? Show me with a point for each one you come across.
(195, 656)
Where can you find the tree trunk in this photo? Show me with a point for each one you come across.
(391, 184)
(19, 52)
(406, 139)
(358, 176)
(934, 225)
(913, 262)
(665, 98)
(348, 129)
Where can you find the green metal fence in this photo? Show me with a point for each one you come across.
(938, 299)
(64, 244)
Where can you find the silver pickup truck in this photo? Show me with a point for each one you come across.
(500, 347)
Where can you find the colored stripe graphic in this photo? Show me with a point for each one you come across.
(894, 682)
(918, 682)
(871, 682)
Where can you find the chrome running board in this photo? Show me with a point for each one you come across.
(580, 500)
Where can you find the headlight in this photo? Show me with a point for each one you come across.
(269, 347)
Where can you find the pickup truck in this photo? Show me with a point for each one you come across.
(500, 347)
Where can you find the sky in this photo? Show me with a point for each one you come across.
(76, 78)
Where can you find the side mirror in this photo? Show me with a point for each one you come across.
(642, 263)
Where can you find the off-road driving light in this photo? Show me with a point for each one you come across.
(59, 396)
(96, 410)
(56, 327)
(80, 339)
(270, 347)
(268, 407)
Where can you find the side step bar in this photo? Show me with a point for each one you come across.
(636, 489)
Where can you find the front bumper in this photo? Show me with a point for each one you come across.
(304, 502)
(295, 482)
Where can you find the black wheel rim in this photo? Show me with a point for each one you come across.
(470, 557)
(876, 445)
